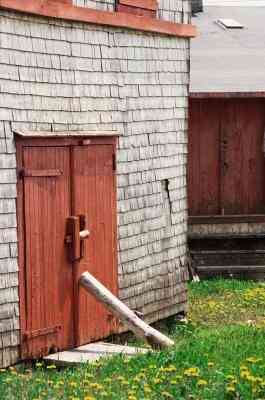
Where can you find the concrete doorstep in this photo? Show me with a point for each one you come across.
(92, 352)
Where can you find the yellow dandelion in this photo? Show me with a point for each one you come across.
(52, 366)
(230, 389)
(192, 372)
(202, 382)
(244, 374)
(38, 365)
(147, 389)
(230, 377)
(243, 368)
(253, 360)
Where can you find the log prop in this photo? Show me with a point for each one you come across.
(128, 317)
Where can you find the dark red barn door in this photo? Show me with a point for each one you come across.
(59, 180)
(226, 160)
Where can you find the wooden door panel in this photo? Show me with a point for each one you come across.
(48, 275)
(226, 170)
(94, 197)
(204, 157)
(243, 174)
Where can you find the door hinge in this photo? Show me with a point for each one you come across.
(42, 332)
(38, 173)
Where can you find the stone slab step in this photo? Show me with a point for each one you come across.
(91, 352)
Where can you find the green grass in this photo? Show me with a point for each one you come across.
(219, 354)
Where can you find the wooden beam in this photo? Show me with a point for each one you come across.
(225, 219)
(55, 9)
(226, 95)
(120, 310)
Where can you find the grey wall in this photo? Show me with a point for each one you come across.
(70, 76)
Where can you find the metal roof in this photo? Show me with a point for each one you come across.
(229, 60)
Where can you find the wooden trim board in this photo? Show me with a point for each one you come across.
(225, 219)
(58, 134)
(225, 95)
(57, 9)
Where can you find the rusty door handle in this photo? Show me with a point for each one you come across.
(75, 235)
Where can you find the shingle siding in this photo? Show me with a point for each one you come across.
(70, 76)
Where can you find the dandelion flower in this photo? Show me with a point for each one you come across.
(202, 382)
(230, 389)
(192, 372)
(52, 366)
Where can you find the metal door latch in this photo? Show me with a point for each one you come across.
(75, 236)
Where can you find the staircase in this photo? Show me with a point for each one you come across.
(233, 255)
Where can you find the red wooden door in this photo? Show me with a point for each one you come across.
(93, 197)
(48, 276)
(226, 168)
(243, 172)
(204, 158)
(57, 182)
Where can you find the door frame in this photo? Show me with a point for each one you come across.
(33, 140)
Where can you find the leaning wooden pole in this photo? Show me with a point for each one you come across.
(120, 310)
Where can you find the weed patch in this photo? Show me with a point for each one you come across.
(218, 355)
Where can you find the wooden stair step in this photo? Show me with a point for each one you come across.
(234, 268)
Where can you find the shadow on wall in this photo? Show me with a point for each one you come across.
(196, 6)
